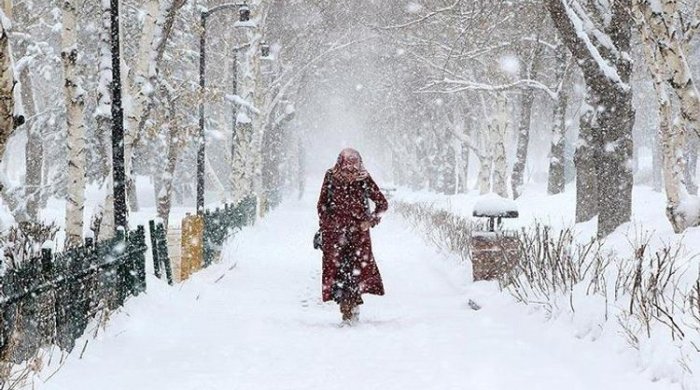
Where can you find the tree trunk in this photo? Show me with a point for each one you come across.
(107, 223)
(691, 158)
(556, 182)
(527, 99)
(584, 158)
(656, 162)
(165, 195)
(464, 158)
(615, 179)
(672, 136)
(157, 26)
(670, 43)
(7, 86)
(607, 74)
(103, 110)
(34, 150)
(246, 171)
(75, 102)
(500, 163)
(485, 155)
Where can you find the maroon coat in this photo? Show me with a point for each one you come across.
(341, 210)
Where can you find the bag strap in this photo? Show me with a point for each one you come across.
(329, 202)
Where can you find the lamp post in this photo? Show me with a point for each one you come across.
(243, 17)
(118, 174)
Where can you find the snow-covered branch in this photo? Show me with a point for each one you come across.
(455, 86)
(423, 18)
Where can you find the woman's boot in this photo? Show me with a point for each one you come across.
(346, 310)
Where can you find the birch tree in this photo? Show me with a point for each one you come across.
(157, 26)
(500, 163)
(484, 152)
(664, 51)
(9, 118)
(75, 102)
(666, 33)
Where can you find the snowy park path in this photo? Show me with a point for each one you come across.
(255, 321)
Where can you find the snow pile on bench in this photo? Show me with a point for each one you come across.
(492, 205)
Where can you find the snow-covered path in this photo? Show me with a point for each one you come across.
(255, 321)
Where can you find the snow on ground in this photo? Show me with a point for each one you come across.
(648, 215)
(255, 321)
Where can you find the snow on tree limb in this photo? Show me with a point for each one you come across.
(240, 102)
(454, 86)
(582, 26)
(423, 18)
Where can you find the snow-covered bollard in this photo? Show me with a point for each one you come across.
(493, 251)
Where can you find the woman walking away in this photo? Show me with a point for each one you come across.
(345, 217)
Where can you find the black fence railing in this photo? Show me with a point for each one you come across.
(50, 299)
(159, 249)
(221, 222)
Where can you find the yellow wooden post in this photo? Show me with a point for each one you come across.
(192, 245)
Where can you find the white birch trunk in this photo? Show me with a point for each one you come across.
(261, 101)
(107, 223)
(665, 33)
(103, 117)
(484, 153)
(498, 139)
(246, 170)
(668, 65)
(154, 34)
(75, 102)
(140, 88)
(7, 90)
(103, 111)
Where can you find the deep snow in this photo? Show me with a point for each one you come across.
(255, 321)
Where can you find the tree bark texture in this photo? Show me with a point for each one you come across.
(75, 104)
(557, 179)
(500, 162)
(584, 159)
(606, 66)
(672, 136)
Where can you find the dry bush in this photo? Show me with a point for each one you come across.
(24, 241)
(442, 228)
(16, 377)
(643, 292)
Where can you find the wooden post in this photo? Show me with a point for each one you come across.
(192, 245)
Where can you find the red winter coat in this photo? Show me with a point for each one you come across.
(341, 210)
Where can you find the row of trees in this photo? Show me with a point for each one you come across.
(481, 79)
(59, 70)
(438, 84)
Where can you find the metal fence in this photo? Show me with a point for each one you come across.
(159, 249)
(222, 222)
(50, 299)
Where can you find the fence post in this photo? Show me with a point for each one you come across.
(162, 244)
(140, 259)
(154, 249)
(46, 265)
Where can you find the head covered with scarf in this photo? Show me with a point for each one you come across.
(349, 167)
